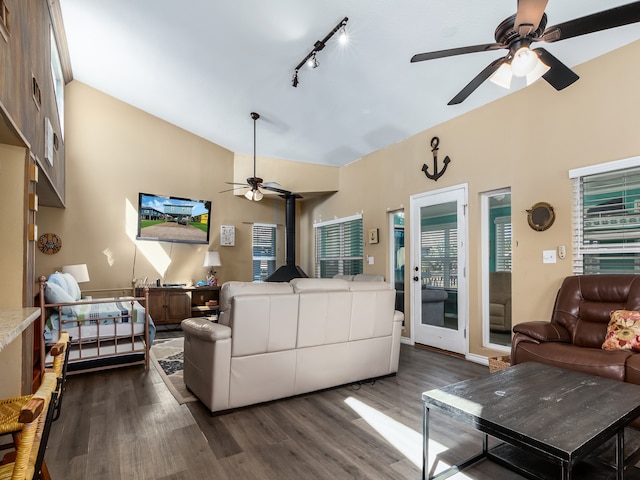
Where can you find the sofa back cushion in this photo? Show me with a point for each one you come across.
(324, 318)
(234, 288)
(319, 285)
(263, 323)
(584, 304)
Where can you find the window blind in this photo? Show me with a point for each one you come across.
(264, 251)
(339, 247)
(607, 222)
(439, 252)
(503, 243)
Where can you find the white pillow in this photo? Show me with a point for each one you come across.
(74, 288)
(67, 283)
(54, 293)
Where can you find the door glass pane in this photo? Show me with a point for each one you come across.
(439, 265)
(499, 229)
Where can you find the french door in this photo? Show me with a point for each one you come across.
(439, 266)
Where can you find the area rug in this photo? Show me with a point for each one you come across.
(168, 357)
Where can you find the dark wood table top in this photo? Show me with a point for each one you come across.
(559, 412)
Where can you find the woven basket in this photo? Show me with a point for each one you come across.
(498, 363)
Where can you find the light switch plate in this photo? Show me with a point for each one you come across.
(548, 256)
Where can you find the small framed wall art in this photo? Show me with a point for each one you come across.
(227, 235)
(373, 235)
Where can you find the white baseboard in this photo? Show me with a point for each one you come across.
(472, 357)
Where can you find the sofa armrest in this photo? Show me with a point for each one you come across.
(398, 316)
(206, 330)
(543, 331)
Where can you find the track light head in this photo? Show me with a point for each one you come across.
(295, 82)
(313, 61)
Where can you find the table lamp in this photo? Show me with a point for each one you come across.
(212, 259)
(79, 272)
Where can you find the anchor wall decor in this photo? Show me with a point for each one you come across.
(435, 141)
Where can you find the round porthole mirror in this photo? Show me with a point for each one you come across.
(541, 216)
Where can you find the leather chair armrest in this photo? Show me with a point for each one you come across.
(398, 316)
(205, 330)
(543, 331)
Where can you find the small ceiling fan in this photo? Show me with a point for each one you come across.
(254, 183)
(527, 26)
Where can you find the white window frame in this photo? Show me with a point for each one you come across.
(343, 255)
(263, 258)
(579, 249)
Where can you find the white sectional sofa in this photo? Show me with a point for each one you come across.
(275, 340)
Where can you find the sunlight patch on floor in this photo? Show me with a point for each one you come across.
(404, 439)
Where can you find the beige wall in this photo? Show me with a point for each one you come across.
(527, 141)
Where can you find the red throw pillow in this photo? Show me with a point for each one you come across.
(623, 332)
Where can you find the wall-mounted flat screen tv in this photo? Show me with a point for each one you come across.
(173, 219)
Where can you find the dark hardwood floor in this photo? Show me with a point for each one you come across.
(125, 424)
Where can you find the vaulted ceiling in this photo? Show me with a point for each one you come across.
(204, 65)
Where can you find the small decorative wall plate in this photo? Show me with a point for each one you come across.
(49, 243)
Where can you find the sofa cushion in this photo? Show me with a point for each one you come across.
(593, 361)
(585, 302)
(368, 286)
(323, 318)
(367, 277)
(319, 285)
(623, 332)
(263, 323)
(231, 289)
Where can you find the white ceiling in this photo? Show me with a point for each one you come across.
(204, 65)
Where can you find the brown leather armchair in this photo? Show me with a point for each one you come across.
(574, 336)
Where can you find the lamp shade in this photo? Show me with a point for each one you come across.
(212, 259)
(79, 272)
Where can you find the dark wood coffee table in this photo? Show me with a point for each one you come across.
(558, 415)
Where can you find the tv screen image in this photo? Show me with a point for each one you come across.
(173, 219)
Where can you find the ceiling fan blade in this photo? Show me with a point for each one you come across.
(270, 184)
(476, 82)
(421, 57)
(235, 188)
(529, 15)
(615, 17)
(236, 183)
(559, 75)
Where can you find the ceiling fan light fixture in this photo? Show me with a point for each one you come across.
(257, 195)
(503, 76)
(540, 69)
(524, 62)
(249, 195)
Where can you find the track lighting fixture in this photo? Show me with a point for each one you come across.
(311, 59)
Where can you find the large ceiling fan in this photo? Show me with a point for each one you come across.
(527, 26)
(254, 183)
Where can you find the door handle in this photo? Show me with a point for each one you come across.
(415, 279)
